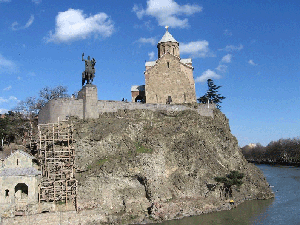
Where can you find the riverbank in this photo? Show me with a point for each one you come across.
(140, 166)
(153, 166)
(271, 163)
(281, 210)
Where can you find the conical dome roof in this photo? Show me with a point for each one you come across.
(167, 37)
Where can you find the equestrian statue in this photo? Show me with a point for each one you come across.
(89, 73)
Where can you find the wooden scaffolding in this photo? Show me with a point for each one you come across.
(56, 157)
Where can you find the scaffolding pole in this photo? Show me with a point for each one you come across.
(56, 157)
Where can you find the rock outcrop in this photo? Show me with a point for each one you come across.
(146, 166)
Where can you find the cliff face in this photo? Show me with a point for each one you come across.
(142, 166)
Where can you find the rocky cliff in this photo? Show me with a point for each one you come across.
(146, 166)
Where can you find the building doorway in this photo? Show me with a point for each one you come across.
(140, 98)
(21, 191)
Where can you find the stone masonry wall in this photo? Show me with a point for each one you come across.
(90, 98)
(18, 160)
(10, 182)
(64, 108)
(168, 78)
(58, 218)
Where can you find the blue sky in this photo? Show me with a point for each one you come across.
(250, 48)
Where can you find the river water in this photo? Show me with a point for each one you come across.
(283, 209)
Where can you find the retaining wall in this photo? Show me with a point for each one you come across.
(64, 108)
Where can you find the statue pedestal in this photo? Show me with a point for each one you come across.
(90, 98)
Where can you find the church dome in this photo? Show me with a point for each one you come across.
(167, 37)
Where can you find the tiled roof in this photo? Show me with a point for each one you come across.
(19, 172)
(167, 37)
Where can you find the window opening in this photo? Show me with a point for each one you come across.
(17, 162)
(6, 193)
(168, 64)
(169, 100)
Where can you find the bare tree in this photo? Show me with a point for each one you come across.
(47, 94)
(32, 105)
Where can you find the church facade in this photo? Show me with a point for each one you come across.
(169, 79)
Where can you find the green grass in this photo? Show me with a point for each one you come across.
(101, 162)
(142, 149)
(97, 163)
(60, 203)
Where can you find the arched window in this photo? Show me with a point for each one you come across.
(6, 193)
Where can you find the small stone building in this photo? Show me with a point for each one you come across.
(138, 93)
(19, 179)
(169, 79)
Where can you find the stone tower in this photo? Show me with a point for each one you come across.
(169, 79)
(168, 44)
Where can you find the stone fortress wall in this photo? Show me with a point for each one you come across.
(87, 107)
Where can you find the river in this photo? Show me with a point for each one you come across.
(283, 209)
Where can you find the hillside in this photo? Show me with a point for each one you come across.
(146, 166)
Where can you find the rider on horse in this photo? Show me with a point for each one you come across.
(89, 73)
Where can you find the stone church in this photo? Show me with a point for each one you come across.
(19, 179)
(169, 79)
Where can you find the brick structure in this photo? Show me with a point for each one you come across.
(169, 79)
(138, 93)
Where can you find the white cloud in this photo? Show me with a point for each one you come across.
(73, 25)
(151, 55)
(195, 49)
(30, 21)
(6, 100)
(208, 74)
(15, 24)
(167, 12)
(36, 1)
(222, 68)
(3, 111)
(147, 24)
(230, 48)
(151, 41)
(227, 32)
(7, 65)
(251, 62)
(7, 88)
(227, 58)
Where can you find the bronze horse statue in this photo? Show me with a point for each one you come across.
(89, 73)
